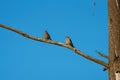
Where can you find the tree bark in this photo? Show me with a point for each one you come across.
(114, 39)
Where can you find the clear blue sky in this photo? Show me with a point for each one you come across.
(25, 59)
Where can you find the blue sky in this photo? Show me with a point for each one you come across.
(25, 59)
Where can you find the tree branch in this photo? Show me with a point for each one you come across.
(101, 54)
(56, 43)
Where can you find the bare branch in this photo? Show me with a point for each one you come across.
(56, 43)
(101, 54)
(94, 7)
(91, 58)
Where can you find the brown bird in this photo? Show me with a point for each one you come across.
(47, 36)
(69, 41)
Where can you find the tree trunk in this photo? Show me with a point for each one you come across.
(114, 39)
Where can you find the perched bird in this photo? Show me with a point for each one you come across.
(69, 41)
(47, 36)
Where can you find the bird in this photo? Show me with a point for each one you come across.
(69, 41)
(47, 36)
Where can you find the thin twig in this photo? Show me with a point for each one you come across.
(56, 43)
(94, 6)
(101, 54)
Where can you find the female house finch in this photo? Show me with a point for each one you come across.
(47, 36)
(69, 41)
